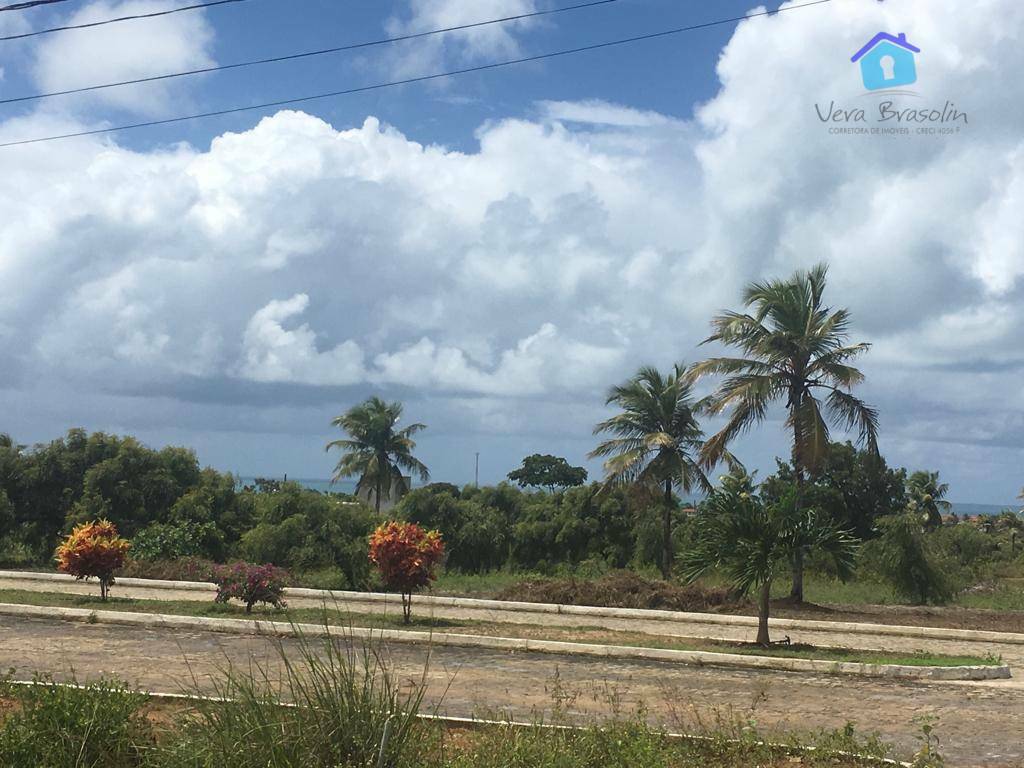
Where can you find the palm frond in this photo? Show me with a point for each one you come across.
(850, 412)
(810, 430)
(374, 449)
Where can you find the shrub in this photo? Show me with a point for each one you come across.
(98, 725)
(251, 584)
(332, 579)
(406, 556)
(304, 530)
(969, 555)
(15, 553)
(903, 556)
(93, 549)
(580, 524)
(347, 698)
(179, 569)
(169, 541)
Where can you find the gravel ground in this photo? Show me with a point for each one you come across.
(1010, 653)
(979, 723)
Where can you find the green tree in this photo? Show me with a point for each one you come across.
(903, 556)
(926, 497)
(301, 529)
(579, 524)
(546, 471)
(794, 352)
(6, 512)
(657, 440)
(750, 541)
(855, 486)
(375, 450)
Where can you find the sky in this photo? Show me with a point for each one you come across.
(497, 249)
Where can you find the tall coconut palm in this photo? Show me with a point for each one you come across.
(657, 440)
(795, 352)
(375, 451)
(926, 496)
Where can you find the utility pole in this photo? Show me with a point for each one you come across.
(476, 474)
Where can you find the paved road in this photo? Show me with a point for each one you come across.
(980, 723)
(1012, 654)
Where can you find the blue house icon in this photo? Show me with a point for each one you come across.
(887, 62)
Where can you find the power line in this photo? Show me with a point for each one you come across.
(29, 4)
(307, 54)
(132, 17)
(410, 80)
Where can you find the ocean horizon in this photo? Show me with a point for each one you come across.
(961, 508)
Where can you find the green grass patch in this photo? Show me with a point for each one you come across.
(1003, 596)
(479, 584)
(581, 634)
(824, 591)
(210, 609)
(797, 651)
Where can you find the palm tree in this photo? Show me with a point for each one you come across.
(657, 440)
(749, 541)
(926, 496)
(375, 451)
(795, 352)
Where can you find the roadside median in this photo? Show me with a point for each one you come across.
(506, 644)
(365, 601)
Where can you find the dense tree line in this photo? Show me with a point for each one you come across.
(791, 351)
(170, 507)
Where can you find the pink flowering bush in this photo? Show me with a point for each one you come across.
(251, 584)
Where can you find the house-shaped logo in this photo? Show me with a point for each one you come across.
(887, 62)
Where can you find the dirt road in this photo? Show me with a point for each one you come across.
(980, 724)
(1012, 654)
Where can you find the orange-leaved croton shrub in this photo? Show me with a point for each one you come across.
(93, 549)
(406, 557)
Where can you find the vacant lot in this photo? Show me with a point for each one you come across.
(976, 720)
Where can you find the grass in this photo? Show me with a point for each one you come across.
(210, 609)
(823, 590)
(348, 710)
(1006, 594)
(479, 584)
(583, 634)
(797, 651)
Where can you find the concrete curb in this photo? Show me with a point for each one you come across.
(376, 599)
(510, 644)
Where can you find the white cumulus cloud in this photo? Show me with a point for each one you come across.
(117, 52)
(574, 244)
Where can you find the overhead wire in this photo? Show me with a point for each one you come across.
(119, 19)
(29, 4)
(418, 79)
(308, 54)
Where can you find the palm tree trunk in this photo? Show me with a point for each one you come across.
(796, 592)
(378, 491)
(763, 606)
(666, 533)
